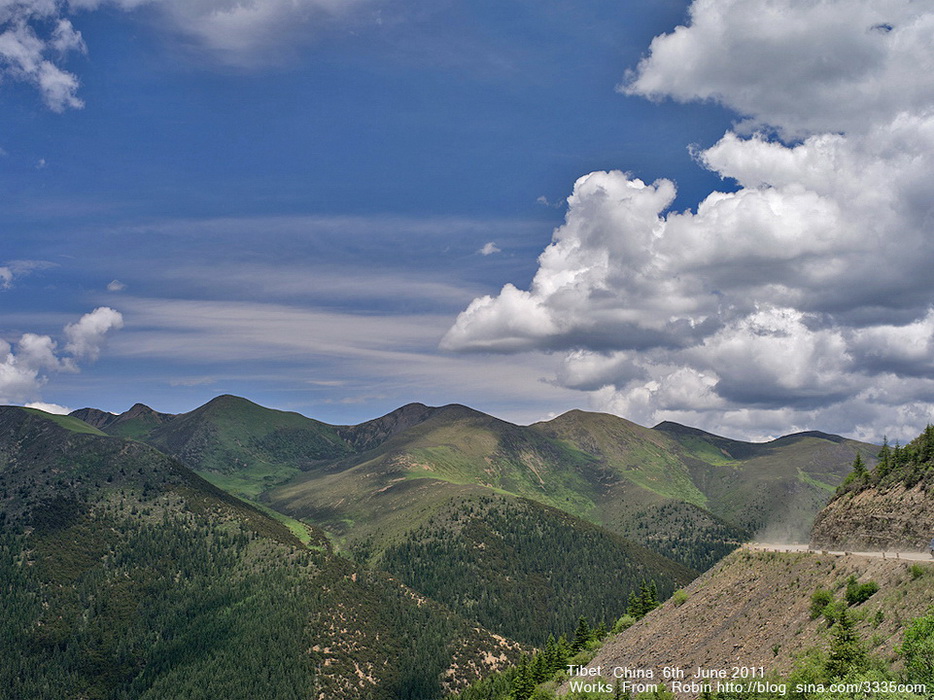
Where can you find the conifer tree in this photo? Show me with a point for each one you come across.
(643, 602)
(554, 655)
(859, 467)
(926, 447)
(884, 465)
(600, 631)
(582, 634)
(918, 650)
(634, 609)
(523, 684)
(846, 648)
(539, 669)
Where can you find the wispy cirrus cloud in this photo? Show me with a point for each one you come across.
(38, 37)
(800, 299)
(352, 357)
(17, 269)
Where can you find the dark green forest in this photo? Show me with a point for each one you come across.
(525, 570)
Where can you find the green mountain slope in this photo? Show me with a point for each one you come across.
(462, 446)
(773, 489)
(483, 516)
(626, 451)
(245, 448)
(693, 495)
(140, 420)
(125, 575)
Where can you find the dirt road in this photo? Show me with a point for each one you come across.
(775, 547)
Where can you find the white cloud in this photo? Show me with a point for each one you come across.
(803, 67)
(243, 31)
(86, 336)
(489, 249)
(793, 297)
(115, 286)
(27, 56)
(16, 269)
(49, 407)
(25, 366)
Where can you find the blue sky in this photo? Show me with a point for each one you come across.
(337, 207)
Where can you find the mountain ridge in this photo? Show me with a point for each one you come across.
(593, 465)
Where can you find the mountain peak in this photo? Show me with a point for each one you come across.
(136, 410)
(226, 400)
(810, 434)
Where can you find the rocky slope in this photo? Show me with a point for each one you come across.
(898, 517)
(888, 507)
(752, 610)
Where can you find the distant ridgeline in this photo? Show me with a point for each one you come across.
(441, 495)
(890, 506)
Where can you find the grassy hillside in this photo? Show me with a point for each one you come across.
(137, 422)
(125, 575)
(773, 489)
(481, 515)
(596, 466)
(624, 450)
(453, 451)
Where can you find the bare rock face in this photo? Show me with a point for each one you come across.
(892, 518)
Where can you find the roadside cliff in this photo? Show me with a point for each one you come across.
(892, 518)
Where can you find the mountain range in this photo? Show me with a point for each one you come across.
(360, 482)
(402, 557)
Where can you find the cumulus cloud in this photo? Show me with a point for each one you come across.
(842, 63)
(115, 286)
(802, 296)
(25, 365)
(86, 336)
(489, 249)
